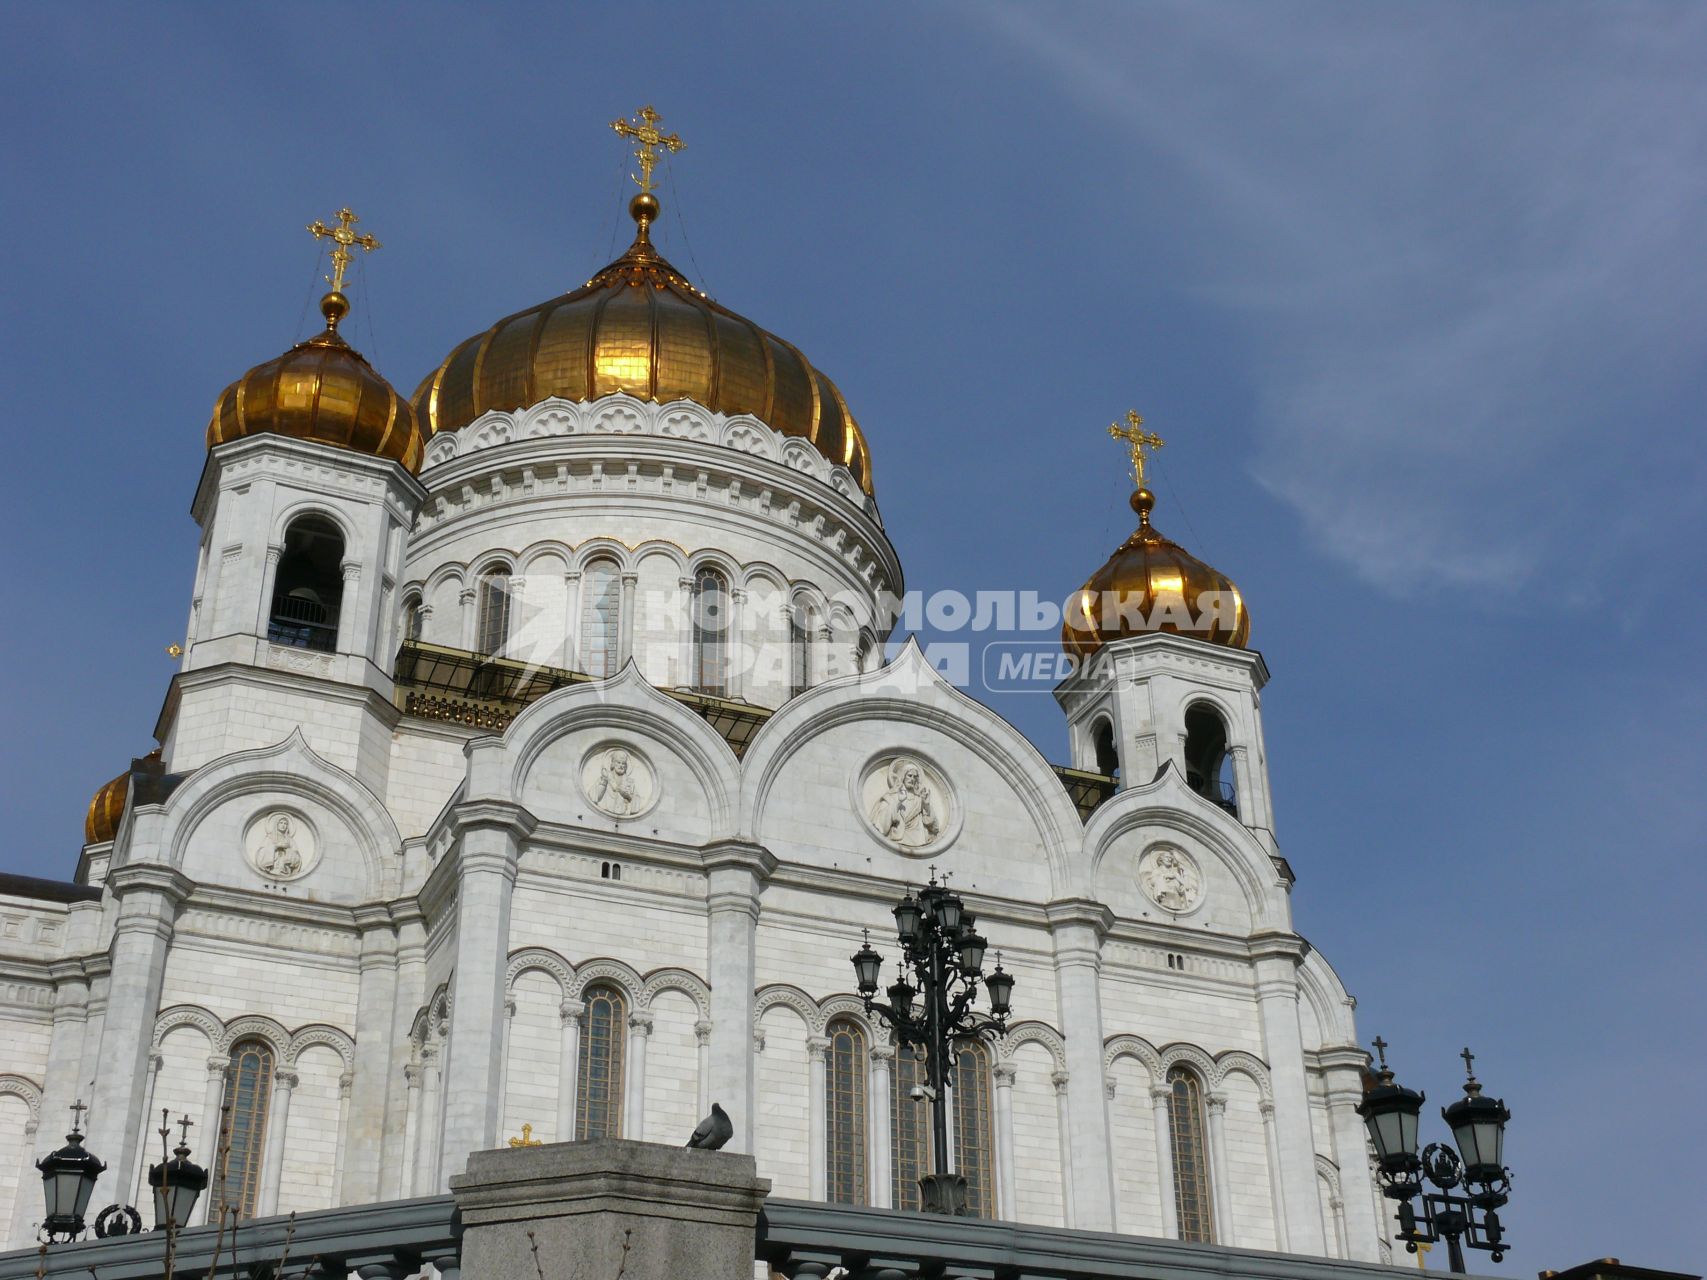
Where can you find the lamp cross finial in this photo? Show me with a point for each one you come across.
(1469, 1061)
(184, 1127)
(77, 1110)
(1138, 439)
(1380, 1048)
(650, 142)
(342, 237)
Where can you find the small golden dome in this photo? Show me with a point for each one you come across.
(1154, 584)
(639, 327)
(101, 823)
(321, 390)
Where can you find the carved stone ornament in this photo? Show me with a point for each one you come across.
(907, 804)
(1170, 879)
(281, 845)
(618, 780)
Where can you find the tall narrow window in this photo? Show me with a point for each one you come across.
(598, 1104)
(802, 622)
(601, 618)
(243, 1126)
(308, 586)
(1102, 742)
(414, 618)
(710, 632)
(1191, 1166)
(1208, 764)
(909, 1129)
(973, 1143)
(844, 1119)
(494, 629)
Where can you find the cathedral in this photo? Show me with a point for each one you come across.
(542, 746)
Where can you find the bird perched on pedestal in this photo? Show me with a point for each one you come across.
(713, 1131)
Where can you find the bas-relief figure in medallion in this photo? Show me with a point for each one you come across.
(281, 846)
(907, 805)
(618, 782)
(1170, 879)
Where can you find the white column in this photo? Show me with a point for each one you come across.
(625, 620)
(882, 1172)
(1276, 1188)
(568, 1065)
(406, 1179)
(1277, 957)
(341, 1151)
(1078, 927)
(1162, 1120)
(349, 633)
(702, 1042)
(1216, 1105)
(504, 1062)
(734, 649)
(27, 1203)
(736, 873)
(269, 575)
(397, 1161)
(213, 1097)
(1064, 1127)
(571, 620)
(1004, 1073)
(278, 1134)
(470, 615)
(634, 1107)
(427, 1130)
(817, 1047)
(362, 1138)
(147, 1127)
(62, 1081)
(1109, 1085)
(1351, 1153)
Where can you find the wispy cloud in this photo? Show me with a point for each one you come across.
(1467, 245)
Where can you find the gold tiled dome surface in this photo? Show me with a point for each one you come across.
(1154, 584)
(321, 390)
(639, 327)
(102, 822)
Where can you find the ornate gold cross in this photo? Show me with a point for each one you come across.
(1135, 435)
(342, 238)
(650, 140)
(527, 1139)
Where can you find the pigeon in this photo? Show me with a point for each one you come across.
(713, 1131)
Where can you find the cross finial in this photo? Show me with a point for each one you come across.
(1139, 440)
(77, 1110)
(1380, 1048)
(184, 1127)
(650, 141)
(342, 237)
(527, 1139)
(1469, 1060)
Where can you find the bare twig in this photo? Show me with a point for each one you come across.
(533, 1244)
(284, 1256)
(627, 1244)
(41, 1262)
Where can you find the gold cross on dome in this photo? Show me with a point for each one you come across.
(342, 237)
(650, 142)
(1139, 439)
(527, 1139)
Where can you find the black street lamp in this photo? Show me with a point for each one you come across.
(1390, 1112)
(177, 1184)
(68, 1180)
(945, 952)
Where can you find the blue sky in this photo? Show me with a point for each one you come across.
(1417, 294)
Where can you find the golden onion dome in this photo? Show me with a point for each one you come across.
(1153, 584)
(639, 327)
(101, 823)
(321, 390)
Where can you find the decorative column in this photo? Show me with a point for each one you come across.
(817, 1118)
(1277, 957)
(278, 1134)
(1006, 1200)
(428, 1130)
(348, 622)
(149, 896)
(569, 1013)
(702, 1042)
(504, 1060)
(736, 872)
(1063, 1127)
(625, 620)
(1216, 1105)
(1276, 1190)
(882, 1174)
(362, 1139)
(466, 597)
(212, 1132)
(341, 1152)
(269, 576)
(147, 1126)
(397, 1163)
(1079, 926)
(1344, 1067)
(734, 649)
(61, 1080)
(406, 1178)
(27, 1196)
(571, 617)
(634, 1105)
(488, 836)
(1161, 1096)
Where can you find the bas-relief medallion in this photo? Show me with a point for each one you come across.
(281, 845)
(618, 781)
(1170, 879)
(907, 804)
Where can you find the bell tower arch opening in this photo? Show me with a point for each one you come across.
(308, 589)
(1208, 763)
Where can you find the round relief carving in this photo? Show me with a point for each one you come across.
(618, 780)
(1170, 879)
(281, 845)
(907, 804)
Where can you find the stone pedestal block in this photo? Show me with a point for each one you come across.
(600, 1209)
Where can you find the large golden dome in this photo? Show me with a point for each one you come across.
(639, 327)
(321, 390)
(1153, 584)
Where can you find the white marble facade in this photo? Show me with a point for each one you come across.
(411, 912)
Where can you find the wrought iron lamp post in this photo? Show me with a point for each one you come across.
(945, 953)
(68, 1180)
(1390, 1112)
(177, 1183)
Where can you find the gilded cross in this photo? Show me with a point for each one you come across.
(650, 141)
(527, 1139)
(1422, 1254)
(342, 237)
(1139, 439)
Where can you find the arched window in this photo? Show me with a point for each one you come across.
(865, 656)
(802, 624)
(910, 1129)
(1102, 742)
(414, 617)
(598, 1104)
(494, 629)
(1191, 1164)
(601, 617)
(844, 1118)
(1208, 766)
(710, 632)
(308, 586)
(243, 1126)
